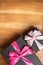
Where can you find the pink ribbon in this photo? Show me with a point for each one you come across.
(34, 36)
(14, 57)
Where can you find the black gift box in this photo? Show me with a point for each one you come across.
(34, 46)
(21, 44)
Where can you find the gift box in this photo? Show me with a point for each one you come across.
(19, 53)
(35, 40)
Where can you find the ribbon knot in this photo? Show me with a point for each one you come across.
(34, 36)
(15, 56)
(20, 55)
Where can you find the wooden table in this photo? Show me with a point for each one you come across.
(17, 16)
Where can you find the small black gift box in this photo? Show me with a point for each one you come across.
(32, 59)
(34, 39)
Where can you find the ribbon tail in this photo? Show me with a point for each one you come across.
(40, 46)
(26, 61)
(39, 38)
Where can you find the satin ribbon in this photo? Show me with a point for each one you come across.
(34, 36)
(14, 57)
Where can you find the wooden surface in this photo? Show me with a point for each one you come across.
(40, 55)
(17, 16)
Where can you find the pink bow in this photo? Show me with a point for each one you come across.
(34, 36)
(14, 57)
